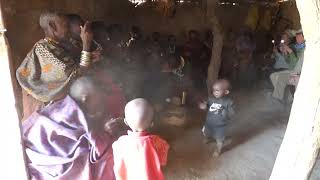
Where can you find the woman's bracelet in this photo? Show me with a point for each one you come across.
(85, 59)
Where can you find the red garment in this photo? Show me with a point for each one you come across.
(139, 156)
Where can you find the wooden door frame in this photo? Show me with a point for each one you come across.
(300, 146)
(11, 151)
(296, 156)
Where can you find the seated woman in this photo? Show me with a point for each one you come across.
(48, 69)
(72, 138)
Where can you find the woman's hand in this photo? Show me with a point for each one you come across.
(96, 55)
(86, 36)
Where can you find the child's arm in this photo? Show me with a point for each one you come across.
(203, 105)
(162, 148)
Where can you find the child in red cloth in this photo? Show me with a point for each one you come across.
(139, 155)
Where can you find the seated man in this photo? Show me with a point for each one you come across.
(295, 74)
(277, 60)
(68, 140)
(281, 79)
(279, 54)
(48, 69)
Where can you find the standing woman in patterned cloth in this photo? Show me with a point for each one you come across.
(46, 72)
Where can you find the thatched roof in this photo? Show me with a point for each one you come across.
(261, 2)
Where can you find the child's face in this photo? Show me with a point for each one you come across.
(218, 91)
(299, 38)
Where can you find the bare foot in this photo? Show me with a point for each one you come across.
(227, 142)
(216, 154)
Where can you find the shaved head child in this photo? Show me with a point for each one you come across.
(219, 110)
(139, 155)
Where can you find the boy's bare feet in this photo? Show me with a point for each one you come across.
(220, 145)
(227, 142)
(216, 154)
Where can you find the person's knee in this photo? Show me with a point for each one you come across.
(273, 76)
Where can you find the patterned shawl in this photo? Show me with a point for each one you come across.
(47, 71)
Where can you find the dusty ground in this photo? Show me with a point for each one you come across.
(257, 133)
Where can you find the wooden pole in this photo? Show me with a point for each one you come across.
(215, 62)
(300, 145)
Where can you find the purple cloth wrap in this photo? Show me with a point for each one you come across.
(59, 145)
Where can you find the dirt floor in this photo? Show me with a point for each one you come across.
(257, 132)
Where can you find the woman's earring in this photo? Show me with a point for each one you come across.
(84, 99)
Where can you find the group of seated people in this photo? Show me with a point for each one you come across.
(76, 82)
(169, 68)
(242, 65)
(288, 60)
(157, 58)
